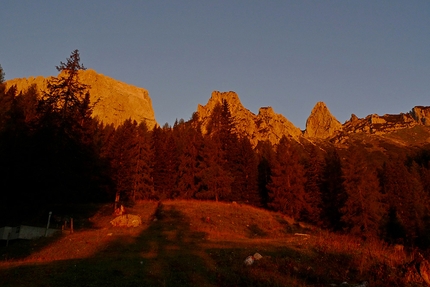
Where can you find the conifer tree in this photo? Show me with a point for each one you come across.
(165, 160)
(332, 192)
(314, 166)
(122, 159)
(215, 180)
(287, 186)
(190, 158)
(66, 103)
(245, 171)
(363, 209)
(142, 183)
(266, 161)
(407, 201)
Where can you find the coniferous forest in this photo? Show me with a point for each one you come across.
(52, 150)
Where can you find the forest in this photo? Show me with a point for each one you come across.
(53, 150)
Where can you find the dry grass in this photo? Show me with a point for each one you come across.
(197, 243)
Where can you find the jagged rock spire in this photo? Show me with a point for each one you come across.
(321, 123)
(267, 125)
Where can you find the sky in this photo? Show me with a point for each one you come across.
(359, 57)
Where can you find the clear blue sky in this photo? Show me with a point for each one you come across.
(358, 57)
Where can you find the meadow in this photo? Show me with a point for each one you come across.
(202, 243)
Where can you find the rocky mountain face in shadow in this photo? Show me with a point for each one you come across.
(116, 101)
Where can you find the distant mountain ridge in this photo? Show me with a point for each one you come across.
(116, 101)
(320, 125)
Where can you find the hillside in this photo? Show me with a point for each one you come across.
(194, 243)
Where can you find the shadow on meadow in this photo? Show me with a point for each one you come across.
(169, 252)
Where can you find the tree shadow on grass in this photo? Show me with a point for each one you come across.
(165, 254)
(170, 253)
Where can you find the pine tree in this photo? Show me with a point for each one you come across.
(165, 160)
(122, 156)
(245, 171)
(287, 186)
(66, 103)
(266, 161)
(314, 166)
(407, 200)
(142, 183)
(363, 209)
(190, 157)
(332, 192)
(215, 180)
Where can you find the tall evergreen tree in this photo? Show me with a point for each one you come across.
(363, 209)
(287, 186)
(245, 171)
(142, 183)
(314, 166)
(406, 199)
(215, 180)
(165, 160)
(66, 103)
(267, 158)
(332, 192)
(122, 154)
(190, 158)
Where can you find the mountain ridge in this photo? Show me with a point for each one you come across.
(118, 101)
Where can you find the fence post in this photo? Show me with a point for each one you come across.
(47, 226)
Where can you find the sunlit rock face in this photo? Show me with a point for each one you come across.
(116, 101)
(421, 115)
(267, 125)
(321, 124)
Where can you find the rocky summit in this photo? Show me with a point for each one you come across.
(321, 123)
(116, 101)
(267, 125)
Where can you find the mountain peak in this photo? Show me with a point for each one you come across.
(321, 123)
(116, 101)
(267, 125)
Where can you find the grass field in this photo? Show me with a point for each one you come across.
(195, 243)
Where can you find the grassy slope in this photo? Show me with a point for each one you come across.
(195, 243)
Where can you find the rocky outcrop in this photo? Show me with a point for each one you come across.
(267, 125)
(116, 101)
(375, 124)
(421, 115)
(321, 124)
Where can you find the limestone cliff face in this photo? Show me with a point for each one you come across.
(421, 115)
(379, 125)
(321, 124)
(267, 125)
(117, 101)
